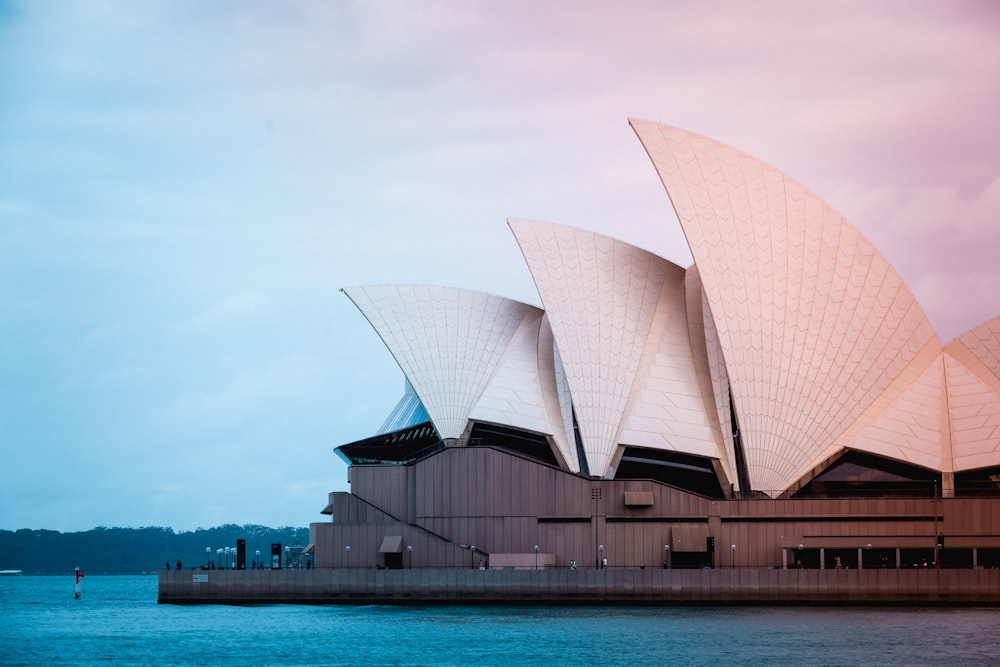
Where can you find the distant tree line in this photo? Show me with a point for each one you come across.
(134, 550)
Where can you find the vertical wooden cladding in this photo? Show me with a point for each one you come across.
(383, 486)
(504, 503)
(756, 543)
(968, 516)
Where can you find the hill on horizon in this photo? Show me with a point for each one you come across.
(145, 550)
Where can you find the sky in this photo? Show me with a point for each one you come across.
(185, 186)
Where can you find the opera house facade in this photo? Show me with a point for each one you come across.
(782, 403)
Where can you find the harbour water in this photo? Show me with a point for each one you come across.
(117, 621)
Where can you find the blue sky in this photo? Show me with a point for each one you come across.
(185, 186)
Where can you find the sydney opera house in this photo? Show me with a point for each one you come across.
(784, 402)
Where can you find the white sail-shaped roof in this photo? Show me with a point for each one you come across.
(972, 369)
(711, 370)
(907, 422)
(617, 313)
(813, 323)
(521, 392)
(448, 342)
(790, 322)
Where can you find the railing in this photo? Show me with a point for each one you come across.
(930, 492)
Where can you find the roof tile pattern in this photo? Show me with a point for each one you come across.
(972, 368)
(813, 323)
(711, 369)
(911, 426)
(520, 392)
(666, 408)
(448, 342)
(617, 315)
(563, 397)
(984, 344)
(974, 410)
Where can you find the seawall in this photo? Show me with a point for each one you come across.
(564, 586)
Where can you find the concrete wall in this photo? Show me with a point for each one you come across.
(563, 586)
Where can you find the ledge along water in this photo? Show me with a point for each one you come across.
(916, 586)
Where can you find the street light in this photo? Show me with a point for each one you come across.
(208, 557)
(666, 556)
(472, 549)
(595, 495)
(732, 561)
(409, 550)
(218, 558)
(259, 564)
(536, 556)
(288, 559)
(233, 552)
(348, 550)
(600, 557)
(227, 558)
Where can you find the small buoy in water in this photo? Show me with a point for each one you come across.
(79, 576)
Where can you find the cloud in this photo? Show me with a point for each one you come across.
(184, 187)
(235, 310)
(246, 396)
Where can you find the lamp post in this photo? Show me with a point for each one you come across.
(218, 558)
(233, 552)
(348, 550)
(472, 549)
(536, 556)
(600, 556)
(595, 495)
(666, 556)
(227, 558)
(259, 564)
(208, 557)
(732, 560)
(409, 550)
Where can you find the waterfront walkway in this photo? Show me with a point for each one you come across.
(564, 586)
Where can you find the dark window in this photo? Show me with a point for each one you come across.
(683, 471)
(399, 447)
(878, 558)
(532, 445)
(856, 474)
(910, 558)
(982, 482)
(955, 558)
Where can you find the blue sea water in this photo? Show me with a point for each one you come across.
(117, 621)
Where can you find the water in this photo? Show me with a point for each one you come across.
(118, 622)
